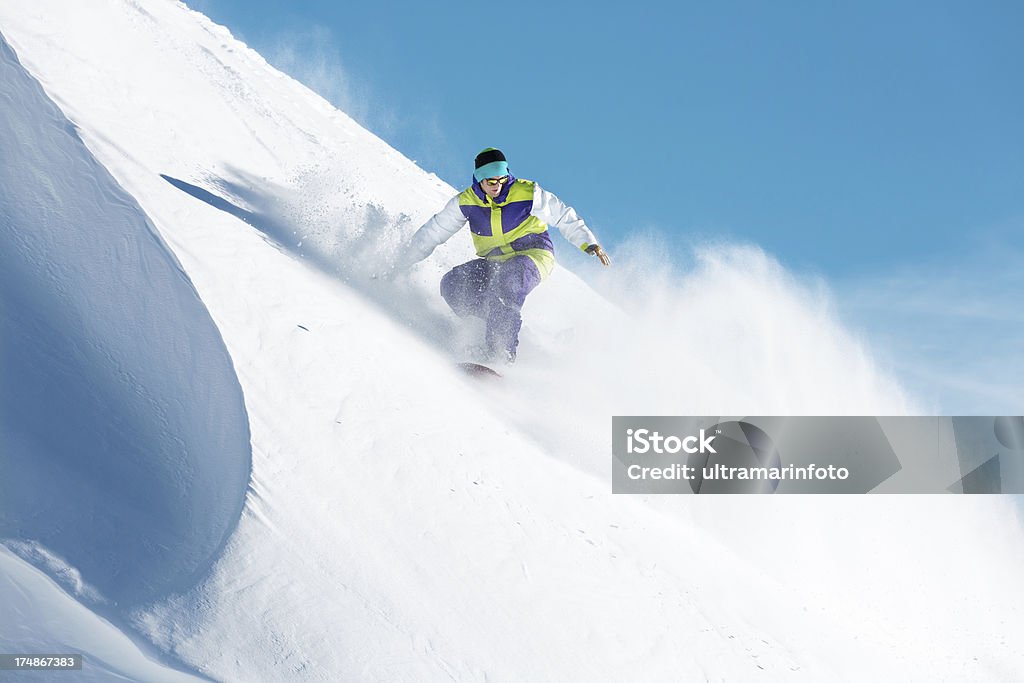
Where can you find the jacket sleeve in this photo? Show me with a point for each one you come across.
(551, 210)
(435, 232)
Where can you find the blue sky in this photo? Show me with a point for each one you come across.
(836, 138)
(869, 142)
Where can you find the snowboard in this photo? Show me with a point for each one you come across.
(477, 370)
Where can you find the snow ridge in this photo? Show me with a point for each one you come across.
(117, 387)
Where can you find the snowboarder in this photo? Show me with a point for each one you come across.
(509, 219)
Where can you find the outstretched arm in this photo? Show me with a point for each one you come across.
(551, 210)
(434, 232)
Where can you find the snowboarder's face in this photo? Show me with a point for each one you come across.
(492, 186)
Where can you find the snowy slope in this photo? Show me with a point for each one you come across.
(117, 384)
(39, 617)
(403, 524)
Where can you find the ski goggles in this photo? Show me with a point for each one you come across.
(494, 182)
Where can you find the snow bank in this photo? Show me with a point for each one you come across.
(125, 439)
(41, 618)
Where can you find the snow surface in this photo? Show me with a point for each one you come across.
(40, 618)
(219, 229)
(117, 386)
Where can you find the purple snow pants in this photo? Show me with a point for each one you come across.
(494, 291)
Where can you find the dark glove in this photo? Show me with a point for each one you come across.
(600, 253)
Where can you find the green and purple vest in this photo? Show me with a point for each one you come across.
(504, 227)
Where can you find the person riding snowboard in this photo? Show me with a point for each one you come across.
(509, 219)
